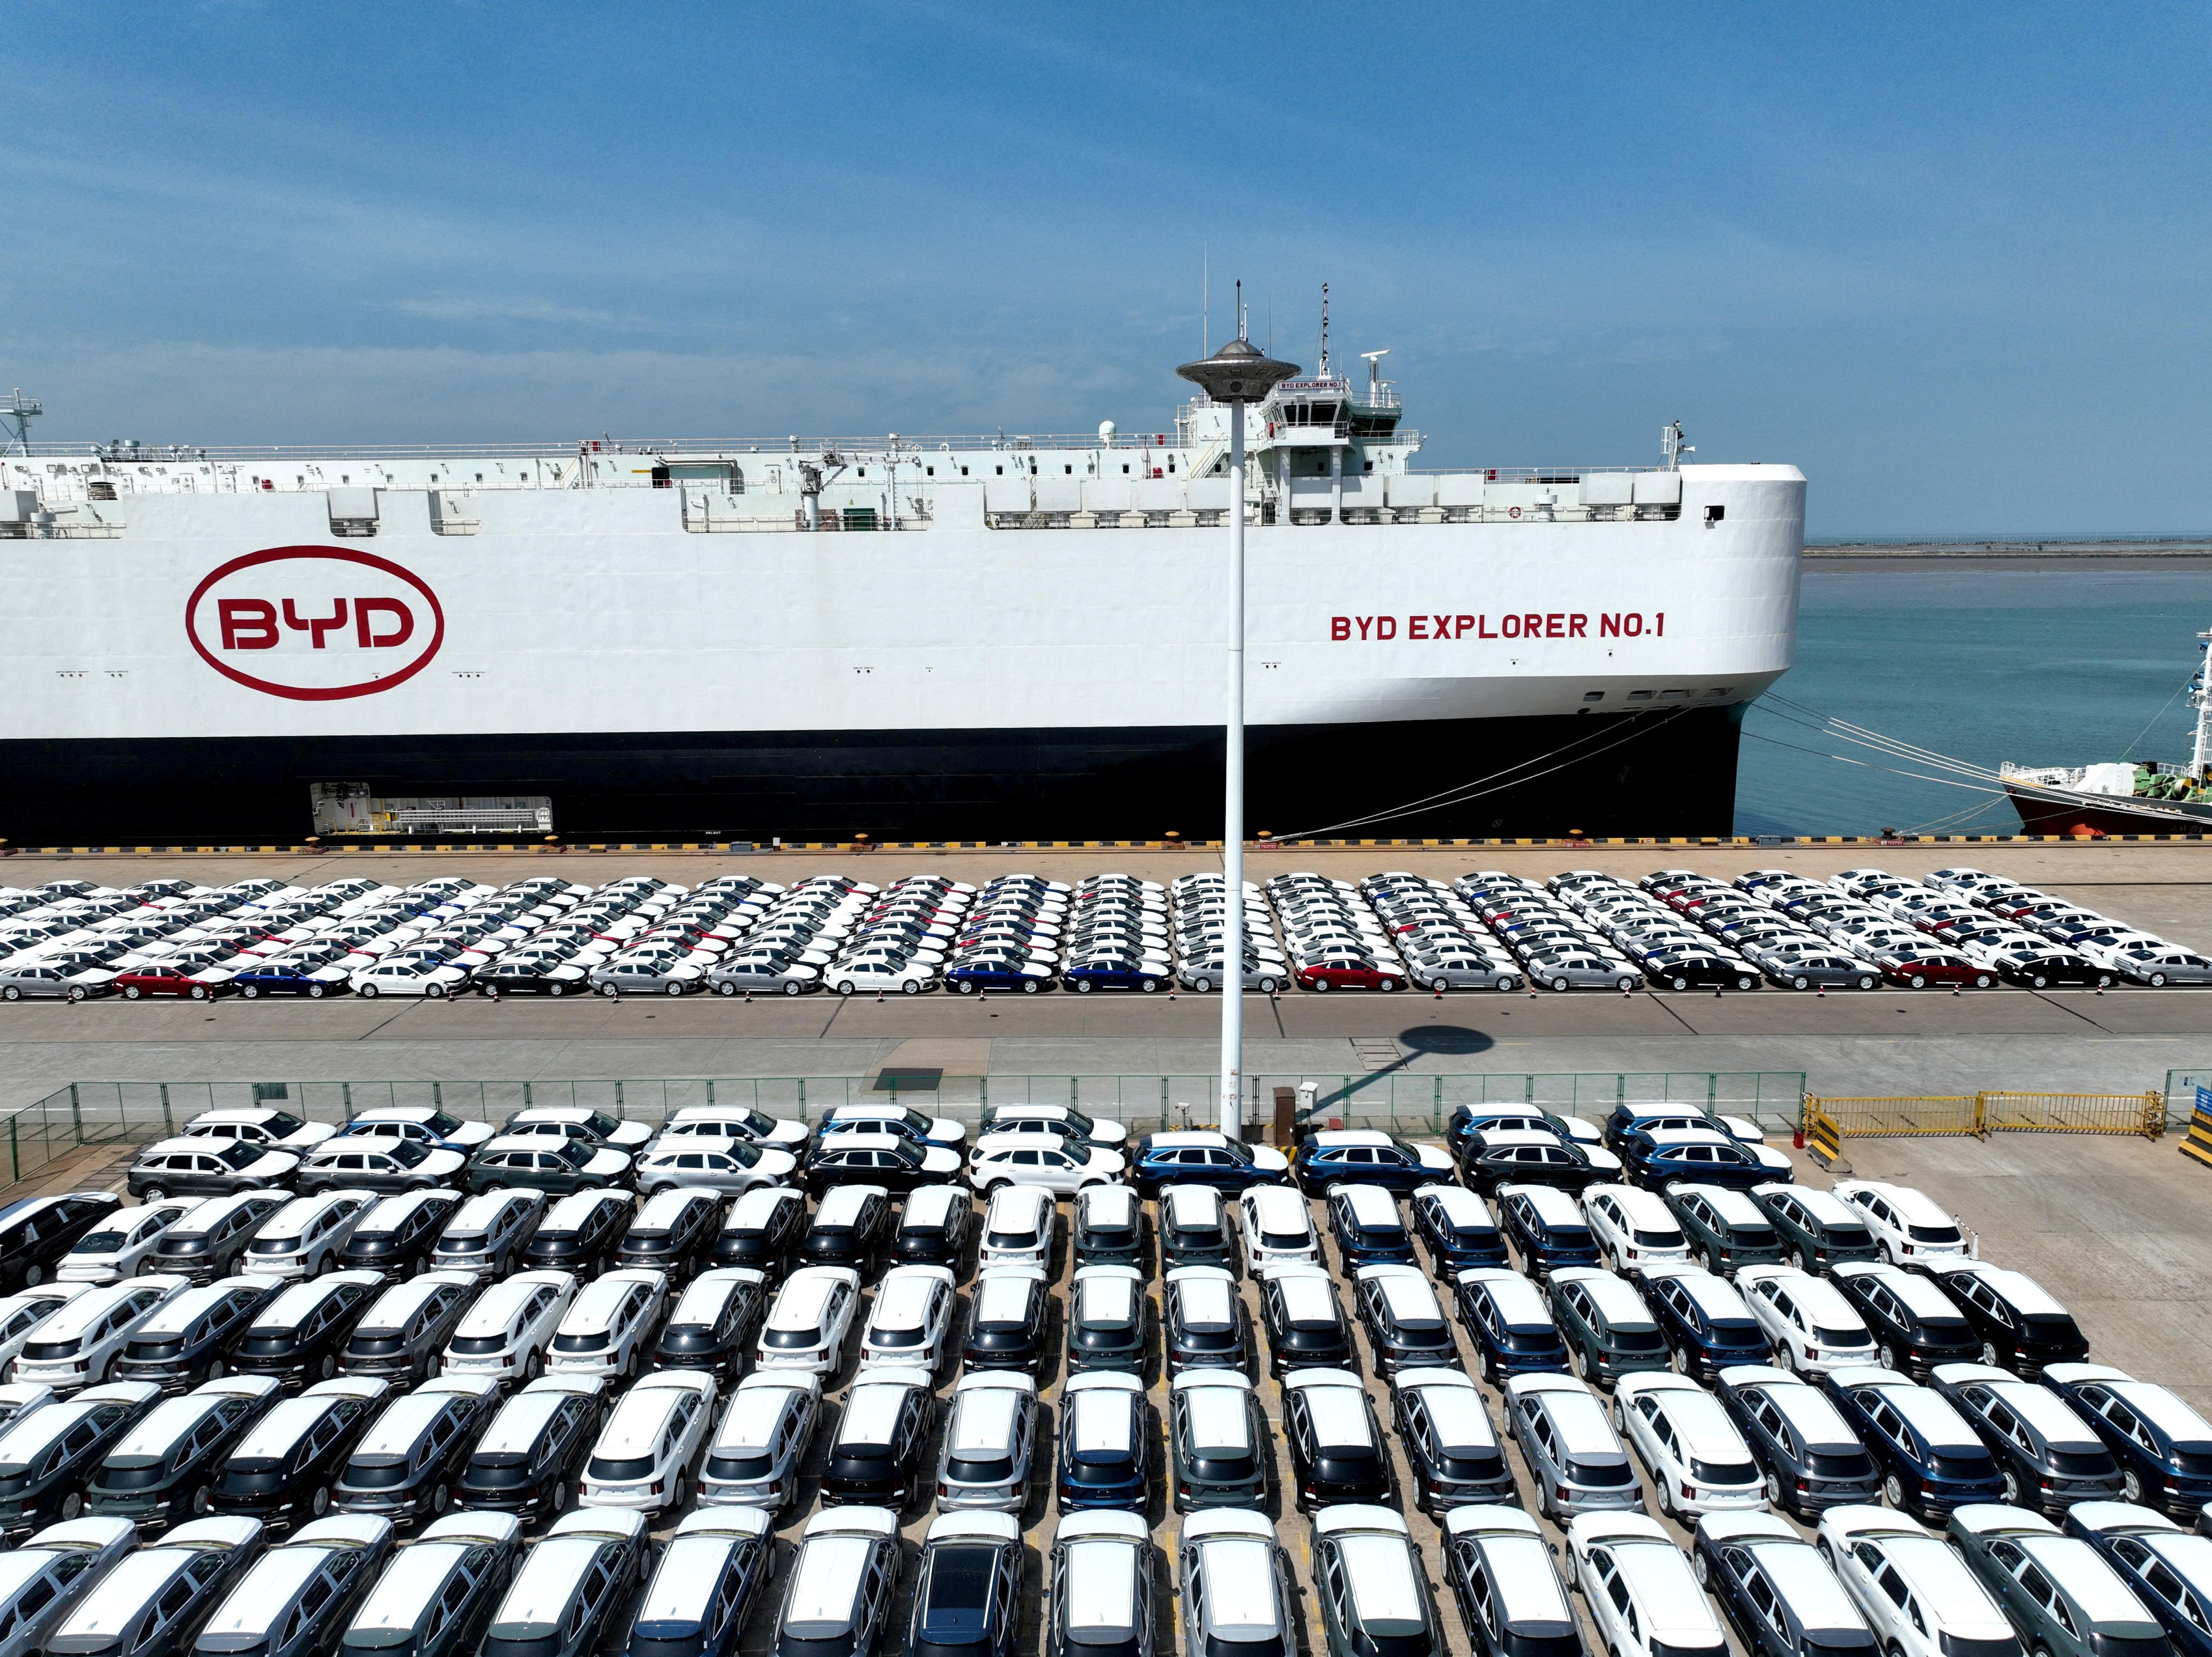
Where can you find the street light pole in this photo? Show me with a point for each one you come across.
(1236, 374)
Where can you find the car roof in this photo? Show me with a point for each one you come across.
(982, 1418)
(1193, 1206)
(1240, 1583)
(843, 1205)
(1553, 1207)
(805, 1297)
(1104, 1420)
(1370, 1204)
(932, 1206)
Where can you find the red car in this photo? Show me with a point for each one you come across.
(1330, 976)
(1919, 972)
(159, 980)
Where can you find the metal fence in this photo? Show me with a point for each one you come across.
(138, 1113)
(1830, 1121)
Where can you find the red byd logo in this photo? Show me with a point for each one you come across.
(314, 623)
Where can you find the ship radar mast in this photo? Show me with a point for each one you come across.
(1321, 372)
(1671, 445)
(16, 414)
(1374, 362)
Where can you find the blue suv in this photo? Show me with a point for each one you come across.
(1932, 1461)
(2164, 1446)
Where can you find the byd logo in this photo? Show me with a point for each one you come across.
(314, 623)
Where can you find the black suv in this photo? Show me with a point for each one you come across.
(298, 1335)
(178, 1452)
(1303, 1319)
(763, 1230)
(286, 1467)
(191, 1339)
(579, 1233)
(408, 1463)
(37, 1231)
(528, 1461)
(852, 1231)
(1915, 1325)
(675, 1232)
(397, 1235)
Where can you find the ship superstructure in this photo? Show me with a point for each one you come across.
(1009, 636)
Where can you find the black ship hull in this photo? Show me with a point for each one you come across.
(1670, 773)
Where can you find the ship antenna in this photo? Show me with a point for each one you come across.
(2202, 695)
(16, 414)
(1322, 373)
(1241, 329)
(1205, 300)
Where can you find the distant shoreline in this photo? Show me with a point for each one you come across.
(2148, 549)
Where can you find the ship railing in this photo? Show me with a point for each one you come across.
(59, 531)
(907, 445)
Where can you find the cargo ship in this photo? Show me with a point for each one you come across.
(2124, 796)
(946, 639)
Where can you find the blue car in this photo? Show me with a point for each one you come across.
(308, 976)
(1512, 1327)
(1656, 1159)
(1468, 1120)
(1365, 1223)
(1547, 1227)
(1932, 1461)
(1114, 975)
(1705, 1320)
(2163, 1564)
(1201, 1157)
(967, 977)
(2164, 1446)
(1455, 1224)
(1365, 1157)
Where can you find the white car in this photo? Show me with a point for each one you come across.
(120, 1247)
(1276, 1228)
(1808, 1321)
(425, 1124)
(733, 1122)
(609, 1327)
(1638, 1588)
(882, 974)
(1908, 1225)
(425, 978)
(1064, 1118)
(304, 1238)
(505, 1334)
(23, 1312)
(729, 1167)
(74, 1348)
(807, 1323)
(1911, 1586)
(648, 1452)
(911, 1319)
(1698, 1461)
(1058, 1165)
(1634, 1228)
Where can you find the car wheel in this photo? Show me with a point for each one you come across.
(966, 987)
(1887, 1354)
(71, 1505)
(1679, 1361)
(1269, 985)
(198, 992)
(1797, 1257)
(1892, 1490)
(1981, 980)
(328, 1367)
(676, 988)
(1774, 1497)
(1320, 986)
(1149, 985)
(1989, 1354)
(1918, 981)
(153, 1194)
(1559, 984)
(1202, 985)
(10, 993)
(201, 1502)
(249, 991)
(315, 992)
(725, 989)
(845, 986)
(2037, 980)
(533, 1366)
(1867, 981)
(320, 1502)
(2131, 1486)
(2156, 980)
(912, 987)
(367, 992)
(2011, 1486)
(2104, 981)
(1699, 1569)
(441, 1498)
(610, 989)
(1800, 982)
(131, 992)
(1678, 983)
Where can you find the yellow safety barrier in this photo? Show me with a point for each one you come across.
(1977, 1114)
(1822, 1137)
(2197, 1142)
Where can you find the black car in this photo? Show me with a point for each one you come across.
(1726, 1229)
(968, 1590)
(1516, 1156)
(1203, 1319)
(889, 1160)
(1626, 1121)
(1457, 1228)
(2057, 969)
(852, 1227)
(1218, 1451)
(1303, 1321)
(1451, 1443)
(1700, 969)
(47, 1456)
(1811, 1458)
(166, 1597)
(206, 1243)
(1706, 1324)
(1545, 1228)
(2048, 1456)
(532, 977)
(1194, 1228)
(35, 1233)
(529, 1458)
(1468, 1120)
(1368, 1228)
(1819, 1230)
(158, 1473)
(191, 1339)
(1336, 1444)
(1508, 1320)
(875, 1455)
(712, 1326)
(286, 1467)
(579, 1233)
(1106, 1319)
(408, 1463)
(397, 1235)
(1007, 1322)
(1486, 1549)
(1608, 1330)
(1110, 1228)
(1915, 1325)
(2021, 1327)
(935, 1222)
(1765, 1574)
(674, 1232)
(762, 1230)
(298, 1335)
(400, 1337)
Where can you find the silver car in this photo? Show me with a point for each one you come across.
(989, 1443)
(2159, 964)
(653, 974)
(53, 980)
(1205, 976)
(1580, 970)
(1459, 969)
(755, 975)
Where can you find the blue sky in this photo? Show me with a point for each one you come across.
(1951, 259)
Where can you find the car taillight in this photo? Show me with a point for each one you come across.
(1803, 1486)
(1558, 1492)
(654, 1489)
(1812, 1353)
(1689, 1491)
(1908, 1249)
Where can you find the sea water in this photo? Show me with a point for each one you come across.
(2062, 663)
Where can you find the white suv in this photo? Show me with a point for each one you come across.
(505, 1334)
(1634, 1228)
(74, 1347)
(1640, 1589)
(1912, 1586)
(649, 1450)
(117, 1249)
(609, 1324)
(1277, 1228)
(304, 1238)
(1698, 1461)
(806, 1325)
(1908, 1225)
(1816, 1328)
(911, 1318)
(1045, 1160)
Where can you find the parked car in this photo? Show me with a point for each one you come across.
(1819, 1229)
(1108, 1227)
(581, 1233)
(1641, 1596)
(1916, 1592)
(78, 1345)
(890, 1161)
(1811, 1322)
(1236, 1582)
(2163, 1566)
(2049, 1458)
(763, 1229)
(486, 1234)
(935, 1222)
(1915, 1324)
(529, 1461)
(1932, 1461)
(1451, 1443)
(1367, 1157)
(649, 1452)
(408, 1465)
(674, 1233)
(990, 1442)
(1777, 1592)
(507, 1331)
(1698, 1461)
(1365, 1224)
(205, 1244)
(2164, 1446)
(304, 1238)
(206, 1167)
(2021, 1327)
(1634, 1228)
(42, 1579)
(1304, 1324)
(838, 1596)
(543, 1163)
(1510, 1597)
(402, 1334)
(1335, 1442)
(1547, 1229)
(1706, 1324)
(1045, 1160)
(123, 1247)
(703, 1590)
(1104, 1438)
(1006, 1320)
(1203, 1319)
(1497, 1158)
(1373, 1586)
(2064, 1596)
(566, 1596)
(1457, 1228)
(1106, 1321)
(1202, 1157)
(298, 1334)
(163, 1594)
(808, 1320)
(193, 1337)
(1608, 1330)
(1099, 1586)
(851, 1227)
(285, 1466)
(759, 1447)
(1726, 1227)
(1909, 1226)
(1576, 1459)
(1194, 1228)
(396, 1235)
(1812, 1459)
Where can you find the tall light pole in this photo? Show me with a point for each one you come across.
(1236, 374)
